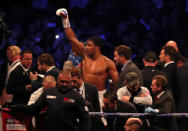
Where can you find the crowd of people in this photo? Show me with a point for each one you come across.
(143, 25)
(91, 82)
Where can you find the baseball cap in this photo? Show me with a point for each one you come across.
(150, 56)
(132, 78)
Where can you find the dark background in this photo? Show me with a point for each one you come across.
(142, 24)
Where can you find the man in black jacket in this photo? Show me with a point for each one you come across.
(13, 57)
(122, 57)
(150, 61)
(46, 65)
(164, 103)
(113, 105)
(90, 94)
(19, 79)
(64, 107)
(168, 55)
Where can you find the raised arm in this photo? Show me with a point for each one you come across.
(76, 44)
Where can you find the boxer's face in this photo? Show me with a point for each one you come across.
(90, 48)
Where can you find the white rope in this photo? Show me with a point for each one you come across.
(182, 115)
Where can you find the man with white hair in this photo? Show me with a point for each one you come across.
(19, 79)
(13, 57)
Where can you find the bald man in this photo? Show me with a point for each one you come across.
(133, 124)
(180, 59)
(173, 44)
(48, 82)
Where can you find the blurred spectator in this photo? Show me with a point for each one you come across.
(180, 60)
(164, 103)
(134, 93)
(168, 55)
(122, 56)
(133, 124)
(150, 61)
(48, 82)
(19, 81)
(90, 94)
(182, 85)
(46, 65)
(113, 105)
(13, 57)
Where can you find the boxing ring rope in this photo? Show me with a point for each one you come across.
(177, 115)
(5, 118)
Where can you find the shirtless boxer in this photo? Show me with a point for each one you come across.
(96, 67)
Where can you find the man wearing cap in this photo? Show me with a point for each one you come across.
(134, 93)
(150, 61)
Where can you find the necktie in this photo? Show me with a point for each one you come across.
(156, 98)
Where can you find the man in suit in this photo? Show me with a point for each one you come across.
(150, 61)
(113, 105)
(182, 106)
(168, 55)
(90, 94)
(180, 60)
(164, 103)
(46, 65)
(13, 57)
(19, 79)
(122, 56)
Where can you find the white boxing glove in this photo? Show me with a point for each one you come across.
(64, 15)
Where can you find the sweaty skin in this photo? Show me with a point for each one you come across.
(96, 67)
(98, 71)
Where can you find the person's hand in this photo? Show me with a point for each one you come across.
(28, 87)
(150, 110)
(125, 98)
(145, 94)
(33, 76)
(64, 15)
